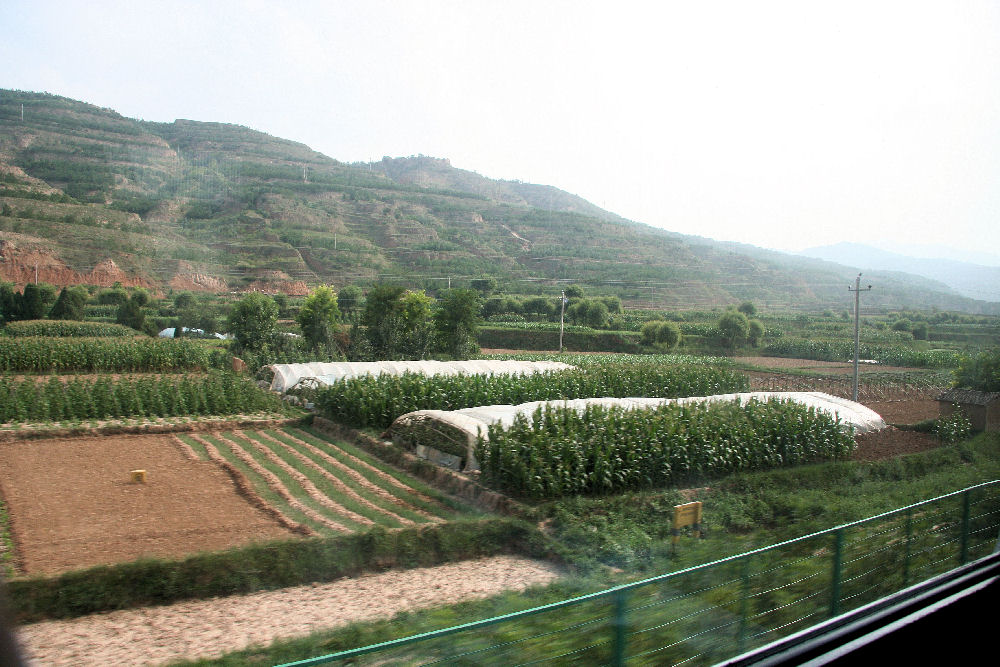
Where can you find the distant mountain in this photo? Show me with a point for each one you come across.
(972, 280)
(214, 206)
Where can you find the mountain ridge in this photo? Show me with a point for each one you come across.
(217, 204)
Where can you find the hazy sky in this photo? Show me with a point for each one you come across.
(782, 124)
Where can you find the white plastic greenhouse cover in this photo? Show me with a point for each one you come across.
(287, 376)
(473, 421)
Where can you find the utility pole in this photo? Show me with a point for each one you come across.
(562, 313)
(857, 327)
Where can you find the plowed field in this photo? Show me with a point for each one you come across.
(72, 503)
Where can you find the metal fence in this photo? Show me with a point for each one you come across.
(711, 612)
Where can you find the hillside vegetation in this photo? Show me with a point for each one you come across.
(212, 206)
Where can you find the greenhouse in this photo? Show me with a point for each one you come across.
(455, 432)
(288, 376)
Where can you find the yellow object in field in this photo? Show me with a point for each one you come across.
(688, 514)
(139, 476)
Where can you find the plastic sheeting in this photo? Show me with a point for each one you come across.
(287, 376)
(473, 421)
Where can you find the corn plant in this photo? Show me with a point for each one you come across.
(67, 329)
(377, 401)
(42, 355)
(558, 451)
(217, 393)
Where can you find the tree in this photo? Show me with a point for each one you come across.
(919, 331)
(70, 304)
(485, 285)
(539, 305)
(755, 333)
(589, 312)
(734, 327)
(574, 292)
(114, 296)
(349, 299)
(131, 313)
(184, 300)
(10, 303)
(252, 321)
(318, 318)
(981, 372)
(661, 334)
(397, 323)
(455, 322)
(747, 308)
(32, 303)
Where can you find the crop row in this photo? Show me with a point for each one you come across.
(36, 354)
(217, 393)
(322, 487)
(559, 452)
(68, 329)
(377, 401)
(843, 350)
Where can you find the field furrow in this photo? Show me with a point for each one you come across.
(356, 495)
(246, 489)
(272, 481)
(281, 488)
(396, 504)
(346, 495)
(357, 464)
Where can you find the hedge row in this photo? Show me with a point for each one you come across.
(576, 341)
(43, 355)
(265, 567)
(68, 329)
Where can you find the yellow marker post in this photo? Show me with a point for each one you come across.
(688, 514)
(138, 476)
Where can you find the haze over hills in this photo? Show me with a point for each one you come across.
(204, 205)
(972, 280)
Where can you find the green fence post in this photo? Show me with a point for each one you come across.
(744, 606)
(838, 567)
(620, 633)
(909, 536)
(963, 556)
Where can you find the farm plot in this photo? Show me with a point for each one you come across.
(319, 488)
(72, 504)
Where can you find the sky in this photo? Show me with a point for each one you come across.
(785, 125)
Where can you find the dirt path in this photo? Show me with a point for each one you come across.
(210, 628)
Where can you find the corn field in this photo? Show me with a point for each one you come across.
(217, 393)
(68, 329)
(558, 452)
(843, 350)
(42, 355)
(377, 401)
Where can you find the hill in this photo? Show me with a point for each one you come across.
(201, 205)
(972, 280)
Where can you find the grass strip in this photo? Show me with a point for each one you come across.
(266, 566)
(197, 446)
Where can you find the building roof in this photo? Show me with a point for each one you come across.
(969, 396)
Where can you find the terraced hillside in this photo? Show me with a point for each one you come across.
(87, 195)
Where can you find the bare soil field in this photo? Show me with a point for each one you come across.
(72, 503)
(210, 628)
